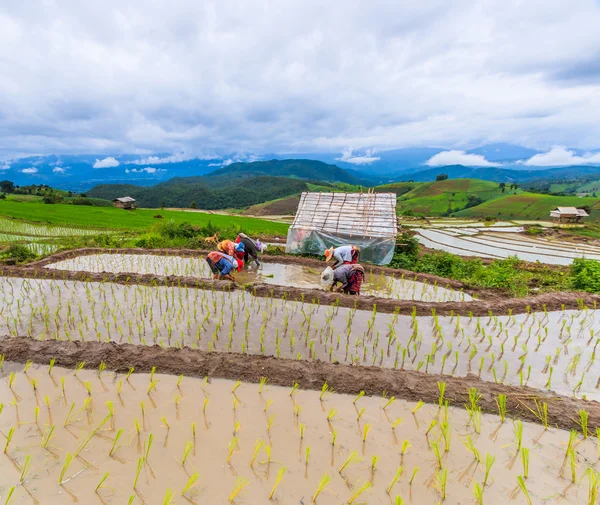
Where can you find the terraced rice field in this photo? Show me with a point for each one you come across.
(503, 243)
(553, 351)
(298, 276)
(83, 436)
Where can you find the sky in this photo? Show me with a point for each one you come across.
(194, 78)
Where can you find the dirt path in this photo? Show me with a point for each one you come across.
(563, 412)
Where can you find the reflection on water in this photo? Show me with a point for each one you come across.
(295, 276)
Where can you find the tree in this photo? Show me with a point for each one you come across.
(193, 205)
(441, 177)
(163, 204)
(7, 186)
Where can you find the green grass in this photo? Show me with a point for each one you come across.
(528, 206)
(119, 219)
(440, 197)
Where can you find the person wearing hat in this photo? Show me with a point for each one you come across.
(343, 255)
(226, 246)
(250, 247)
(222, 265)
(350, 276)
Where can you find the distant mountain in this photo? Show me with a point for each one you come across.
(497, 174)
(219, 193)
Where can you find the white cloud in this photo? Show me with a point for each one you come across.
(4, 165)
(58, 170)
(397, 74)
(561, 157)
(148, 170)
(366, 159)
(157, 160)
(459, 158)
(31, 170)
(106, 163)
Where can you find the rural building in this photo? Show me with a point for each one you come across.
(124, 203)
(367, 220)
(568, 215)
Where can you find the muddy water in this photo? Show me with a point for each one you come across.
(298, 276)
(241, 420)
(554, 350)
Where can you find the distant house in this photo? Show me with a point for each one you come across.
(568, 215)
(124, 203)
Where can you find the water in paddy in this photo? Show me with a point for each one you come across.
(297, 276)
(206, 428)
(553, 350)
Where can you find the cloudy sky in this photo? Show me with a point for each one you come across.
(199, 77)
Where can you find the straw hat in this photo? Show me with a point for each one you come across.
(328, 253)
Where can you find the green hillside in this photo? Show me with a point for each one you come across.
(446, 197)
(530, 206)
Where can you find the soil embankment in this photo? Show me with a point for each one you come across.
(563, 412)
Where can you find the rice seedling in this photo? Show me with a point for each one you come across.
(573, 465)
(414, 474)
(592, 476)
(523, 488)
(325, 480)
(353, 458)
(359, 396)
(191, 483)
(257, 447)
(518, 427)
(114, 447)
(168, 499)
(277, 481)
(525, 461)
(358, 491)
(583, 423)
(441, 480)
(140, 465)
(417, 406)
(9, 437)
(366, 430)
(470, 446)
(240, 484)
(65, 467)
(102, 480)
(478, 493)
(489, 462)
(25, 469)
(442, 389)
(501, 403)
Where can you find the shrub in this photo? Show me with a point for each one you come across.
(52, 198)
(585, 275)
(82, 201)
(151, 241)
(534, 230)
(18, 253)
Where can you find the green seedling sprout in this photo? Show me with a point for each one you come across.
(359, 396)
(232, 445)
(478, 493)
(389, 402)
(573, 465)
(523, 487)
(472, 449)
(332, 413)
(9, 495)
(592, 476)
(65, 467)
(431, 426)
(442, 388)
(168, 497)
(501, 403)
(47, 437)
(583, 423)
(277, 481)
(295, 387)
(525, 461)
(114, 447)
(25, 469)
(240, 484)
(417, 406)
(326, 479)
(192, 482)
(519, 434)
(148, 446)
(441, 481)
(205, 404)
(307, 455)
(415, 470)
(324, 390)
(164, 420)
(101, 482)
(237, 385)
(366, 430)
(489, 462)
(358, 492)
(394, 480)
(129, 372)
(353, 458)
(51, 366)
(9, 437)
(140, 465)
(257, 447)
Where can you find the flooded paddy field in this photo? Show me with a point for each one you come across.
(547, 350)
(505, 242)
(84, 436)
(292, 275)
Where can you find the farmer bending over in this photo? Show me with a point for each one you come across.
(350, 276)
(222, 265)
(250, 248)
(343, 255)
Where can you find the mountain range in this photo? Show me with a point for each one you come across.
(503, 163)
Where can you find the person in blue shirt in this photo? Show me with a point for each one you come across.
(222, 265)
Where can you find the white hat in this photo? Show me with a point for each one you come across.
(327, 276)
